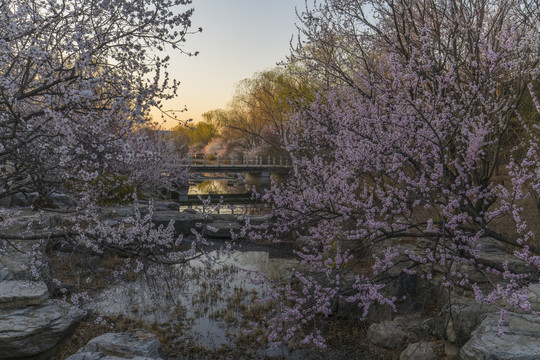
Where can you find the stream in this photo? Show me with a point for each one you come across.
(211, 300)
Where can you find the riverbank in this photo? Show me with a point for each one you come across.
(203, 309)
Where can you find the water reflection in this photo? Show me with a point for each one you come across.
(228, 183)
(216, 187)
(212, 295)
(236, 193)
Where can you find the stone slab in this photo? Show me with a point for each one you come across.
(520, 339)
(137, 344)
(19, 293)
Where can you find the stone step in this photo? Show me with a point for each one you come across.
(22, 293)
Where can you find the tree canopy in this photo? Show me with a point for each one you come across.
(255, 119)
(77, 80)
(394, 161)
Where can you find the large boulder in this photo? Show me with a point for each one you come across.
(139, 345)
(34, 330)
(520, 339)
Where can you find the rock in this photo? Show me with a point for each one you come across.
(173, 206)
(17, 261)
(465, 317)
(5, 274)
(6, 201)
(183, 222)
(533, 294)
(17, 293)
(137, 344)
(124, 211)
(190, 211)
(520, 339)
(97, 356)
(24, 200)
(493, 254)
(413, 323)
(59, 201)
(223, 228)
(418, 351)
(166, 205)
(388, 334)
(379, 312)
(33, 330)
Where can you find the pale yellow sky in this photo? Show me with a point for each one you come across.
(239, 38)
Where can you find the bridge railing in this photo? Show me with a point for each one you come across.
(245, 161)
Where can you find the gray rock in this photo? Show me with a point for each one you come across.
(6, 201)
(183, 222)
(17, 261)
(98, 356)
(190, 211)
(413, 323)
(493, 254)
(173, 206)
(223, 228)
(19, 293)
(388, 334)
(533, 294)
(60, 201)
(465, 316)
(5, 274)
(33, 330)
(111, 222)
(124, 211)
(166, 205)
(139, 344)
(418, 351)
(23, 200)
(520, 339)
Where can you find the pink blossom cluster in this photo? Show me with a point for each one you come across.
(418, 109)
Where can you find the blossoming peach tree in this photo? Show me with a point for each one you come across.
(422, 103)
(77, 81)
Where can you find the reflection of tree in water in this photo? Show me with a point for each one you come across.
(217, 187)
(208, 187)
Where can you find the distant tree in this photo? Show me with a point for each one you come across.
(197, 136)
(260, 108)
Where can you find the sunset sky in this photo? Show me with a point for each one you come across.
(239, 38)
